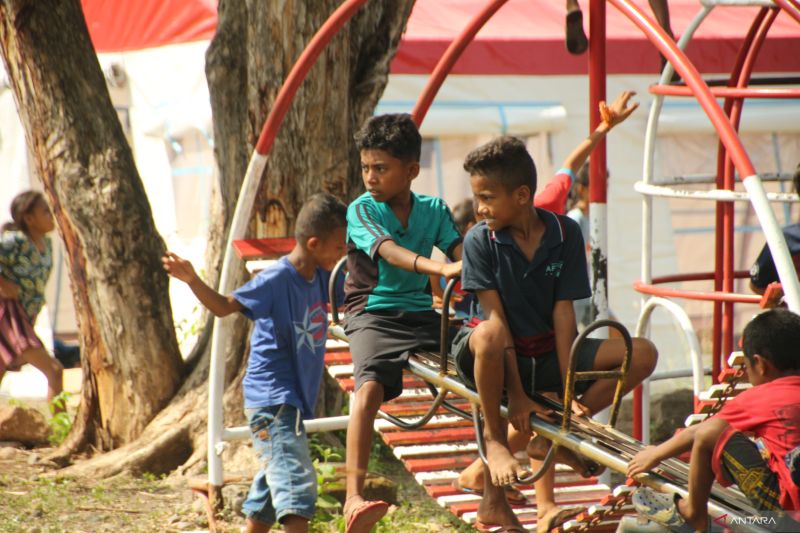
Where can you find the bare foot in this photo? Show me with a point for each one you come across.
(505, 469)
(553, 516)
(538, 447)
(699, 523)
(496, 512)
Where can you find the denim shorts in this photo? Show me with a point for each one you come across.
(286, 484)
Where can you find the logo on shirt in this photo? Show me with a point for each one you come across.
(311, 331)
(554, 269)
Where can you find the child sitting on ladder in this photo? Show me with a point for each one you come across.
(288, 303)
(391, 232)
(770, 411)
(526, 266)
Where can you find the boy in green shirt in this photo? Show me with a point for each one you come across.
(391, 233)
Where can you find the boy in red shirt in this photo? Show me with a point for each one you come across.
(770, 411)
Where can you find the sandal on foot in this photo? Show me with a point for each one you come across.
(561, 516)
(486, 526)
(660, 508)
(513, 495)
(577, 43)
(365, 515)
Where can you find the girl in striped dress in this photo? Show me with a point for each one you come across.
(26, 260)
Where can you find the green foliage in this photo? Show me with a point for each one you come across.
(327, 478)
(61, 421)
(188, 329)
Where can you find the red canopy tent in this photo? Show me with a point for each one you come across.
(524, 37)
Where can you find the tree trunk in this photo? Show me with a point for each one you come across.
(131, 364)
(252, 53)
(255, 47)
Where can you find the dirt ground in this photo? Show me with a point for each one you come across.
(35, 499)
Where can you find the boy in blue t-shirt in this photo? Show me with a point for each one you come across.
(390, 235)
(288, 303)
(526, 266)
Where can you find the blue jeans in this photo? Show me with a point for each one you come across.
(287, 483)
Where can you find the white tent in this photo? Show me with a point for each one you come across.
(517, 79)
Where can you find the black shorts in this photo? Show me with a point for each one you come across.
(541, 374)
(737, 460)
(381, 341)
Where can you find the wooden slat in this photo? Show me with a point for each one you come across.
(248, 249)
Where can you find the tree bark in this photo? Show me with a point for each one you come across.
(131, 364)
(254, 48)
(253, 51)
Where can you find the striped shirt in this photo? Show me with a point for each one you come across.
(372, 283)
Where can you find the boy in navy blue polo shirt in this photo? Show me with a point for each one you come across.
(763, 271)
(390, 235)
(526, 266)
(288, 303)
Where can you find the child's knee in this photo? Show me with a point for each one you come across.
(369, 396)
(487, 340)
(645, 355)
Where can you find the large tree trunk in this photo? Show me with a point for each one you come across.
(254, 50)
(255, 47)
(131, 364)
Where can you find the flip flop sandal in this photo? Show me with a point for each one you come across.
(513, 495)
(365, 515)
(563, 515)
(660, 508)
(485, 526)
(577, 43)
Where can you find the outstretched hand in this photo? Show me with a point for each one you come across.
(618, 111)
(178, 267)
(644, 461)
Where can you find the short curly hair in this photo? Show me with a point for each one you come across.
(320, 215)
(394, 133)
(774, 335)
(504, 159)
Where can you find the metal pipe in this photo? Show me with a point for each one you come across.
(717, 195)
(713, 296)
(698, 276)
(727, 92)
(331, 423)
(723, 218)
(693, 343)
(792, 8)
(641, 394)
(732, 143)
(449, 58)
(753, 46)
(444, 329)
(332, 289)
(598, 220)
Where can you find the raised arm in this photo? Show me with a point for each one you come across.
(612, 115)
(215, 302)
